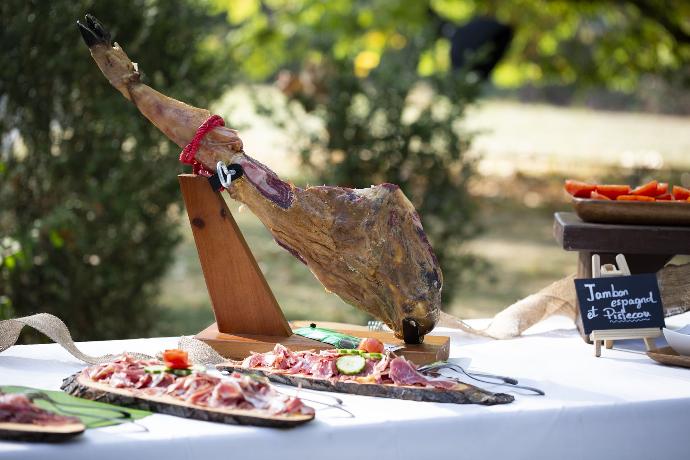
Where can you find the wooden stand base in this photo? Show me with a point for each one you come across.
(239, 346)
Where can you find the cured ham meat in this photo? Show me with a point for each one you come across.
(198, 388)
(387, 377)
(367, 246)
(387, 370)
(17, 408)
(403, 372)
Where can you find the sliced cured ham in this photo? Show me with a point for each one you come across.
(17, 408)
(22, 420)
(402, 372)
(197, 388)
(384, 375)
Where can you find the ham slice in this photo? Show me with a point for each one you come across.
(17, 408)
(403, 372)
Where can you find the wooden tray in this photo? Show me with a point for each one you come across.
(40, 433)
(669, 357)
(633, 212)
(462, 394)
(82, 387)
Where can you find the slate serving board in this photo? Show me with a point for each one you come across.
(78, 385)
(40, 433)
(462, 394)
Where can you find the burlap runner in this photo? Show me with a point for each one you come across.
(556, 299)
(52, 327)
(559, 298)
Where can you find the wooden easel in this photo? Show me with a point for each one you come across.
(248, 317)
(609, 335)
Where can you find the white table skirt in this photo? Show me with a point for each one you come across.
(622, 405)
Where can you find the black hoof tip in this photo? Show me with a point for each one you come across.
(411, 332)
(93, 32)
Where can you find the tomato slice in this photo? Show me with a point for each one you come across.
(680, 193)
(665, 197)
(648, 189)
(635, 198)
(579, 189)
(613, 191)
(662, 188)
(176, 359)
(598, 196)
(371, 345)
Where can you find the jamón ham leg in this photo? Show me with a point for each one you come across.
(365, 245)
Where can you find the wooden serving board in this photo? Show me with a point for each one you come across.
(462, 394)
(82, 387)
(633, 212)
(668, 356)
(239, 346)
(40, 433)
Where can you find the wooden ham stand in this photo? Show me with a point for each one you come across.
(248, 317)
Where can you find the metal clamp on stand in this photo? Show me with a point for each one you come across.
(224, 175)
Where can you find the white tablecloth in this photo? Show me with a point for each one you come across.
(622, 405)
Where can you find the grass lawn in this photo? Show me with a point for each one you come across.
(527, 152)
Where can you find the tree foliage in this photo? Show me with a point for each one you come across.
(611, 43)
(86, 184)
(377, 76)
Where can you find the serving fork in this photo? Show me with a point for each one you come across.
(435, 367)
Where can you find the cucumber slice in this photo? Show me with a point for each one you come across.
(375, 356)
(180, 372)
(350, 364)
(349, 351)
(157, 369)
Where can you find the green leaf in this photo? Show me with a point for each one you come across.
(56, 240)
(8, 261)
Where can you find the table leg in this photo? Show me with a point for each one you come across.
(609, 344)
(597, 348)
(584, 264)
(584, 270)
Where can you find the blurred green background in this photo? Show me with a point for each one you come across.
(478, 109)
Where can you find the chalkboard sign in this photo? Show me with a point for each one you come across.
(620, 302)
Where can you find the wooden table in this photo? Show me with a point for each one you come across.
(647, 248)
